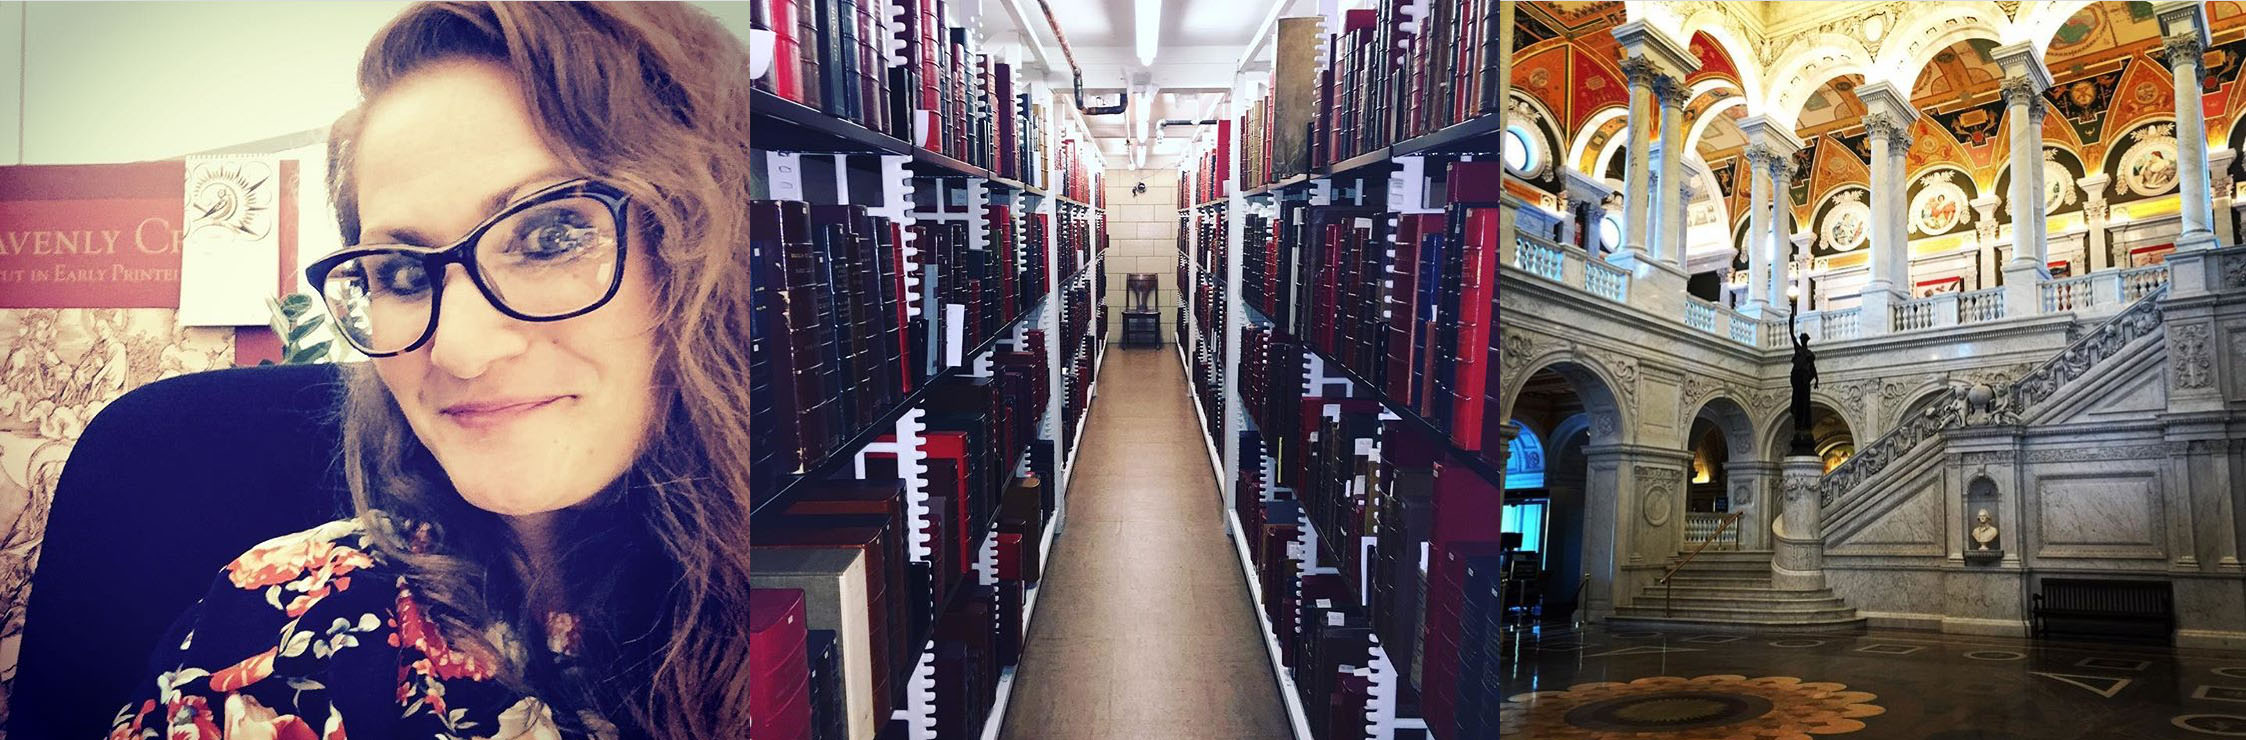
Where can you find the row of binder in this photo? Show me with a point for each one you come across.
(947, 96)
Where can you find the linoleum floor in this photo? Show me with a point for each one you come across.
(1144, 628)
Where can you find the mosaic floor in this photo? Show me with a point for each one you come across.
(1596, 684)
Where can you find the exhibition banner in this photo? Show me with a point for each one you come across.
(91, 236)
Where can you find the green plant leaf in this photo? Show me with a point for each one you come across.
(301, 331)
(309, 355)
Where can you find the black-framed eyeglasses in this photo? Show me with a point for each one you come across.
(550, 255)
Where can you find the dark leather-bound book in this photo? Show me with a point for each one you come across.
(872, 64)
(881, 500)
(823, 652)
(1446, 587)
(774, 369)
(810, 313)
(830, 237)
(1012, 598)
(1478, 657)
(779, 697)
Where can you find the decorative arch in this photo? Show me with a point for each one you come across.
(1524, 461)
(1716, 109)
(1921, 35)
(1591, 380)
(1772, 437)
(1731, 418)
(1824, 57)
(1590, 130)
(2038, 22)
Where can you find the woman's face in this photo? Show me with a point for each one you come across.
(525, 417)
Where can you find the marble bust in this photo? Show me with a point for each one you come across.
(1984, 531)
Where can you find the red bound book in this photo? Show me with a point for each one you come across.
(880, 547)
(787, 51)
(779, 697)
(947, 453)
(1224, 155)
(1476, 281)
(1446, 607)
(1480, 183)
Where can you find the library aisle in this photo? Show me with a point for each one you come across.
(1145, 628)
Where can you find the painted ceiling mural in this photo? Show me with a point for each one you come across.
(2109, 78)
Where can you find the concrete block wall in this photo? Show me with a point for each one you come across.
(1142, 238)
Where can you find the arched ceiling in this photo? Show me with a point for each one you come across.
(1831, 107)
(2102, 33)
(1957, 75)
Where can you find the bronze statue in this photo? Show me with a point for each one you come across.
(1804, 378)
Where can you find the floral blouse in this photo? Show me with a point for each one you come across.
(312, 633)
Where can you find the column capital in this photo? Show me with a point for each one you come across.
(1759, 156)
(2183, 18)
(1669, 92)
(2036, 111)
(1880, 126)
(2181, 50)
(2020, 60)
(1882, 97)
(1640, 71)
(2020, 91)
(1761, 131)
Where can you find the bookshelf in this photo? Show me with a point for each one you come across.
(1341, 223)
(951, 273)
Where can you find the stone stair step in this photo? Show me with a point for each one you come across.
(1744, 602)
(1748, 615)
(1619, 622)
(1683, 591)
(1721, 581)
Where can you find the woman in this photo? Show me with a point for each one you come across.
(547, 454)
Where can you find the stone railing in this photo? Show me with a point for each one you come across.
(1700, 315)
(1980, 305)
(1841, 324)
(2137, 282)
(1915, 315)
(1569, 266)
(2069, 294)
(2003, 404)
(1700, 526)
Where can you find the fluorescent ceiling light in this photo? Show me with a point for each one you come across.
(1150, 29)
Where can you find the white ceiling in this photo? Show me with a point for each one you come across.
(1200, 45)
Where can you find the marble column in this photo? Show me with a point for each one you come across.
(1801, 265)
(1985, 230)
(1781, 229)
(1898, 154)
(1759, 297)
(2220, 180)
(2094, 212)
(1884, 290)
(1571, 221)
(2197, 209)
(1637, 188)
(1798, 563)
(2023, 104)
(1671, 243)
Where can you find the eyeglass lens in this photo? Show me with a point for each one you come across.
(547, 260)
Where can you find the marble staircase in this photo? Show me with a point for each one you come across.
(1731, 590)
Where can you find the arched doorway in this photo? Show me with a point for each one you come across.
(1835, 439)
(1728, 476)
(1570, 511)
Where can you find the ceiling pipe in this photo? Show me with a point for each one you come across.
(1076, 72)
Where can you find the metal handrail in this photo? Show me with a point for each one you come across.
(1668, 594)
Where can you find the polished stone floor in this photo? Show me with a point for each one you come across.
(1143, 627)
(1566, 684)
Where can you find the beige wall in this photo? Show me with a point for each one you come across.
(1142, 237)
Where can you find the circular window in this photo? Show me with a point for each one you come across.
(1520, 153)
(1610, 232)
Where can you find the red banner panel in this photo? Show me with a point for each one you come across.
(91, 236)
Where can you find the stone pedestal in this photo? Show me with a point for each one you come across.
(1798, 563)
(2023, 288)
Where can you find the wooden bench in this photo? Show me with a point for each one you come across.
(2105, 608)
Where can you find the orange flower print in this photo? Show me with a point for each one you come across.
(246, 719)
(189, 718)
(328, 562)
(443, 662)
(131, 730)
(249, 671)
(279, 560)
